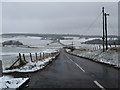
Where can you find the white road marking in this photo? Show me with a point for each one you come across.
(76, 64)
(100, 86)
(80, 67)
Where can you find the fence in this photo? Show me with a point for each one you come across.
(21, 59)
(99, 47)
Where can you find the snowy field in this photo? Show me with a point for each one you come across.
(94, 51)
(8, 82)
(109, 57)
(76, 41)
(9, 54)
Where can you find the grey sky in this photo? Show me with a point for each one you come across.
(51, 17)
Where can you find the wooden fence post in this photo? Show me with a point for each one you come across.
(110, 45)
(99, 47)
(20, 58)
(43, 54)
(31, 57)
(40, 55)
(1, 70)
(115, 44)
(36, 55)
(24, 57)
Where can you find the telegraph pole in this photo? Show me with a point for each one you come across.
(103, 30)
(106, 29)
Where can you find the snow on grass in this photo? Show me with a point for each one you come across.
(32, 66)
(109, 57)
(94, 51)
(10, 82)
(76, 41)
(50, 50)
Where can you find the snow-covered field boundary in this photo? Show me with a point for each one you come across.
(33, 66)
(109, 57)
(7, 82)
(93, 52)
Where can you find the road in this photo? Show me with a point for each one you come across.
(69, 71)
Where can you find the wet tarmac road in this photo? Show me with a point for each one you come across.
(69, 71)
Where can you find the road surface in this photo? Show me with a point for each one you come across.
(69, 71)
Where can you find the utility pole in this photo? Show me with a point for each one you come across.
(106, 29)
(103, 30)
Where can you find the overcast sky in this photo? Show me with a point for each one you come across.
(58, 17)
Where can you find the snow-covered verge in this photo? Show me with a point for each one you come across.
(94, 51)
(33, 66)
(10, 82)
(109, 57)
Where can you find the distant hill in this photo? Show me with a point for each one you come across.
(98, 41)
(11, 42)
(55, 35)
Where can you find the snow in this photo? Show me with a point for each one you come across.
(76, 41)
(94, 51)
(28, 40)
(50, 50)
(68, 50)
(32, 66)
(10, 82)
(109, 57)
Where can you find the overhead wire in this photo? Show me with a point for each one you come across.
(112, 5)
(107, 8)
(95, 20)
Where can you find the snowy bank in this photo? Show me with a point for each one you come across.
(108, 57)
(9, 82)
(94, 51)
(33, 66)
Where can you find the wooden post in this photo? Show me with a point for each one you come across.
(20, 58)
(115, 44)
(103, 29)
(40, 55)
(24, 57)
(36, 55)
(1, 70)
(31, 57)
(99, 47)
(43, 55)
(110, 45)
(14, 63)
(106, 29)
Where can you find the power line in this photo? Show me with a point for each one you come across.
(112, 5)
(94, 21)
